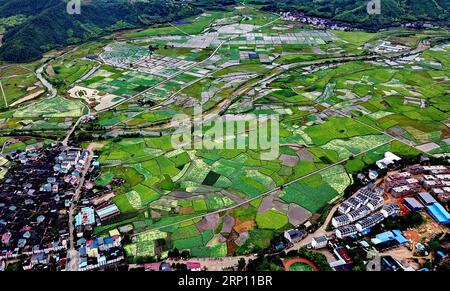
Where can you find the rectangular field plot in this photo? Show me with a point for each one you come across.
(312, 193)
(55, 107)
(128, 56)
(121, 83)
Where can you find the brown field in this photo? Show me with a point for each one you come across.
(186, 210)
(243, 226)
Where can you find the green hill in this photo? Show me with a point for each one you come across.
(48, 25)
(36, 26)
(393, 12)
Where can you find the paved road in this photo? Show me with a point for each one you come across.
(51, 90)
(178, 74)
(4, 95)
(72, 254)
(263, 194)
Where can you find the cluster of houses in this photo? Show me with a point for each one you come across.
(35, 199)
(435, 179)
(388, 47)
(34, 203)
(97, 252)
(314, 21)
(360, 212)
(100, 252)
(364, 225)
(422, 187)
(401, 184)
(71, 164)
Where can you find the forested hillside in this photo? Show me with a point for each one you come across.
(393, 12)
(36, 26)
(49, 25)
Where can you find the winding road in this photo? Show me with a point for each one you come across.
(52, 92)
(73, 256)
(421, 47)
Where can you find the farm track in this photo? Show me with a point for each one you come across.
(279, 188)
(168, 100)
(420, 48)
(281, 70)
(53, 93)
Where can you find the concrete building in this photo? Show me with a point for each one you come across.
(389, 159)
(319, 242)
(412, 204)
(295, 235)
(391, 209)
(340, 220)
(346, 231)
(359, 213)
(369, 222)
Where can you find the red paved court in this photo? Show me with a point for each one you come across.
(289, 263)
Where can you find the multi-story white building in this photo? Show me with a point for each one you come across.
(346, 231)
(390, 209)
(359, 213)
(319, 242)
(340, 220)
(369, 222)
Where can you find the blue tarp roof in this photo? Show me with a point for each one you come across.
(438, 212)
(399, 236)
(108, 240)
(388, 236)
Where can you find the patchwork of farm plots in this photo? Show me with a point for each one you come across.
(183, 193)
(127, 56)
(377, 95)
(245, 36)
(18, 84)
(195, 199)
(335, 118)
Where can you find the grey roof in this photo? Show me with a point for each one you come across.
(320, 239)
(353, 202)
(371, 220)
(427, 198)
(413, 202)
(359, 212)
(391, 208)
(344, 207)
(342, 218)
(348, 229)
(361, 197)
